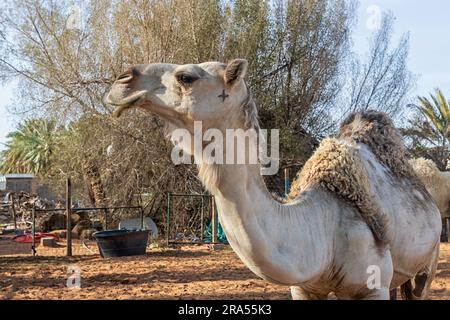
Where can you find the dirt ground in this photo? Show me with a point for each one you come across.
(186, 272)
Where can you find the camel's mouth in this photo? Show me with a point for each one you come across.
(123, 104)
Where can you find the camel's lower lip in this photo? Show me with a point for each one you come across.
(125, 103)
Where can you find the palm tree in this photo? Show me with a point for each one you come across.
(29, 148)
(430, 132)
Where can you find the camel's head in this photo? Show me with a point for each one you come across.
(210, 92)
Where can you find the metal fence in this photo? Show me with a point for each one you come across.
(105, 211)
(20, 235)
(193, 230)
(186, 217)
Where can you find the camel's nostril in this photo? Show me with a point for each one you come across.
(127, 76)
(124, 75)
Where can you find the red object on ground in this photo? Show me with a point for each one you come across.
(28, 238)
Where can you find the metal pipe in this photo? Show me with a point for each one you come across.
(103, 208)
(50, 210)
(168, 217)
(68, 216)
(214, 221)
(190, 195)
(89, 209)
(286, 181)
(105, 212)
(13, 208)
(186, 242)
(202, 216)
(142, 217)
(33, 230)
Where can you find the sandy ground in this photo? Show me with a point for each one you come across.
(187, 272)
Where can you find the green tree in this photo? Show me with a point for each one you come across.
(296, 51)
(29, 148)
(429, 131)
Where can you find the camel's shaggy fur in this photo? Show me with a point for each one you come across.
(250, 112)
(337, 167)
(377, 131)
(436, 182)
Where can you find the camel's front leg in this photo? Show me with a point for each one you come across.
(298, 293)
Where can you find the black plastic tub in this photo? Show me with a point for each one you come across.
(120, 243)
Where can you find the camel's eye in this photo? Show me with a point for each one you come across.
(185, 79)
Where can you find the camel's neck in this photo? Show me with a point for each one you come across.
(271, 238)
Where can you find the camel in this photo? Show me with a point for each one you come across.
(437, 183)
(380, 225)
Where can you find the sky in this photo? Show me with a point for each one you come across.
(428, 24)
(426, 21)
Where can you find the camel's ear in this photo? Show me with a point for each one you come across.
(235, 71)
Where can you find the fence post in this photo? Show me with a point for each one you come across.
(68, 216)
(13, 208)
(213, 220)
(33, 230)
(141, 211)
(202, 217)
(168, 217)
(286, 181)
(105, 212)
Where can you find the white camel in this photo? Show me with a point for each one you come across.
(437, 183)
(326, 239)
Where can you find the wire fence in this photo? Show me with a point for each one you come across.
(190, 227)
(29, 220)
(181, 217)
(41, 211)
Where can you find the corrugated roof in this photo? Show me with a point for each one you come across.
(17, 176)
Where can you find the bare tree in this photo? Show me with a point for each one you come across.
(382, 82)
(66, 55)
(311, 42)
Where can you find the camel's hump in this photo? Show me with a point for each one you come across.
(376, 130)
(337, 167)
